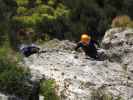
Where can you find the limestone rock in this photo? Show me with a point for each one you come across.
(78, 78)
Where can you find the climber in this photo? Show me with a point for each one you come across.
(28, 50)
(88, 45)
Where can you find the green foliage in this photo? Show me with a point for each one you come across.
(7, 8)
(28, 21)
(85, 16)
(12, 77)
(47, 89)
(61, 10)
(22, 2)
(42, 17)
(32, 16)
(68, 18)
(22, 10)
(38, 1)
(63, 18)
(128, 6)
(44, 9)
(51, 2)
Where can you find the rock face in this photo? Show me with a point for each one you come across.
(8, 97)
(119, 47)
(78, 78)
(118, 43)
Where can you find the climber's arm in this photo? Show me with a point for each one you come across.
(98, 45)
(78, 46)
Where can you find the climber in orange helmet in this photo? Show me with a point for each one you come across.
(88, 45)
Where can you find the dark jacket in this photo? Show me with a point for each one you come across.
(89, 49)
(28, 50)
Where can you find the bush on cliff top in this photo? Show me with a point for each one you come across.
(122, 21)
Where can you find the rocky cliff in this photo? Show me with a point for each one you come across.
(81, 78)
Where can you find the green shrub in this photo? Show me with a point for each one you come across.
(47, 89)
(38, 1)
(44, 9)
(42, 17)
(51, 2)
(7, 53)
(22, 10)
(12, 77)
(22, 2)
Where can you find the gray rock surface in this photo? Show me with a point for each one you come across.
(77, 77)
(119, 47)
(8, 97)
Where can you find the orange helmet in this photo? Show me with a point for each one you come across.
(85, 38)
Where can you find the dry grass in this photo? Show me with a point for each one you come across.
(122, 21)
